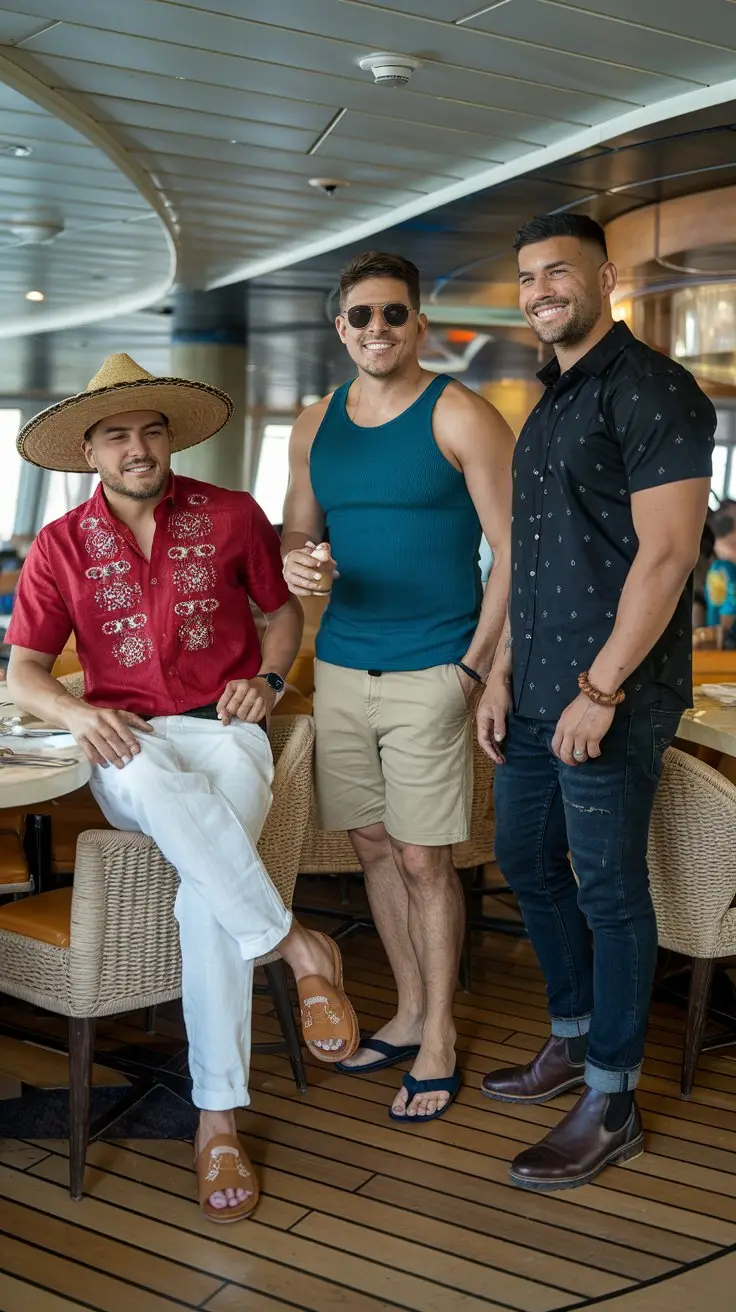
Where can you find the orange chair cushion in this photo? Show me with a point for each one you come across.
(70, 817)
(46, 918)
(13, 864)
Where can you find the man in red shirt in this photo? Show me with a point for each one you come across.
(154, 576)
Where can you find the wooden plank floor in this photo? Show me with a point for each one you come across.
(362, 1215)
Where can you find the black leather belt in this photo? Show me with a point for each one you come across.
(208, 712)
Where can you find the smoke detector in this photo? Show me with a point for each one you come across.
(390, 70)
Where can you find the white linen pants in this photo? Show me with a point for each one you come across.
(202, 792)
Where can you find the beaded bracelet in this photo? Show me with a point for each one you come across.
(596, 696)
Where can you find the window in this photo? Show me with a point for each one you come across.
(723, 483)
(272, 475)
(10, 467)
(65, 491)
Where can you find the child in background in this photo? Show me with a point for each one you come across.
(720, 582)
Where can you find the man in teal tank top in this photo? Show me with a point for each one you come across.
(404, 469)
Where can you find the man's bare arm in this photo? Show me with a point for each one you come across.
(281, 639)
(475, 437)
(33, 688)
(105, 736)
(668, 521)
(304, 521)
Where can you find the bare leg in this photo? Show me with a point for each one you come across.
(436, 924)
(389, 902)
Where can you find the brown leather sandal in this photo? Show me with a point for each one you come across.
(223, 1164)
(326, 1012)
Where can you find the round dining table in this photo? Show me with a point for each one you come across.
(29, 785)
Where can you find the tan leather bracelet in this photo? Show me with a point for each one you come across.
(596, 696)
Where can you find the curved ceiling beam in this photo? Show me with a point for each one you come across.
(47, 320)
(688, 102)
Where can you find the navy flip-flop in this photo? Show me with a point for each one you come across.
(450, 1084)
(392, 1054)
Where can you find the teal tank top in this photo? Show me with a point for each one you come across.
(406, 538)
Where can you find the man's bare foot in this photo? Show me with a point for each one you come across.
(400, 1033)
(308, 954)
(210, 1125)
(433, 1062)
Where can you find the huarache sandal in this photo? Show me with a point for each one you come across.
(450, 1084)
(391, 1055)
(223, 1164)
(326, 1012)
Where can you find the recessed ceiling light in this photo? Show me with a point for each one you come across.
(35, 296)
(15, 151)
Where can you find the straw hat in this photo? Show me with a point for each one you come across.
(195, 411)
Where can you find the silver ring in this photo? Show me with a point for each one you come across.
(579, 754)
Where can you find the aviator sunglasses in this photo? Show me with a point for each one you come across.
(395, 314)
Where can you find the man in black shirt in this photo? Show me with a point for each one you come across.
(611, 481)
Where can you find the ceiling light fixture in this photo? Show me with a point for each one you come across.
(15, 151)
(35, 296)
(35, 232)
(390, 70)
(328, 185)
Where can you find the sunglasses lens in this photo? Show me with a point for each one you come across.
(395, 315)
(359, 316)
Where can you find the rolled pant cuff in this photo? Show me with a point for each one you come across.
(206, 1100)
(252, 948)
(604, 1080)
(570, 1028)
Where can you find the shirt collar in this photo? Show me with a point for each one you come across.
(597, 360)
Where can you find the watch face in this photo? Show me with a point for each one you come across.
(274, 681)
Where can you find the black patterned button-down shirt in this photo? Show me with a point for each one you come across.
(623, 419)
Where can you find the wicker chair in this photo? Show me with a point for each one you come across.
(692, 867)
(110, 943)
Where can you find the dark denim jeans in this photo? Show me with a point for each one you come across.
(595, 937)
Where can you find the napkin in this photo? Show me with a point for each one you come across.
(725, 693)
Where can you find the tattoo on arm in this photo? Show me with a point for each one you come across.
(508, 645)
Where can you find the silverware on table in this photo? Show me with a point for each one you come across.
(10, 758)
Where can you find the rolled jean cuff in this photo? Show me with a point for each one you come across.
(604, 1080)
(207, 1100)
(570, 1028)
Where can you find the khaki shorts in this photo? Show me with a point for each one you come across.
(394, 749)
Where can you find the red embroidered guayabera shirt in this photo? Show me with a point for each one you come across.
(158, 637)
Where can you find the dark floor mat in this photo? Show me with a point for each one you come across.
(44, 1114)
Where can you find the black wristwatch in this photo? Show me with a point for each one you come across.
(273, 680)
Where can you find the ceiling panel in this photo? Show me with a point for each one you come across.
(576, 104)
(216, 105)
(708, 21)
(18, 27)
(330, 35)
(627, 43)
(250, 88)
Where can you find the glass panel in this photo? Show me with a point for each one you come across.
(65, 491)
(10, 467)
(273, 470)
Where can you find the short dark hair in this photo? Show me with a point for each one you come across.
(377, 264)
(561, 225)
